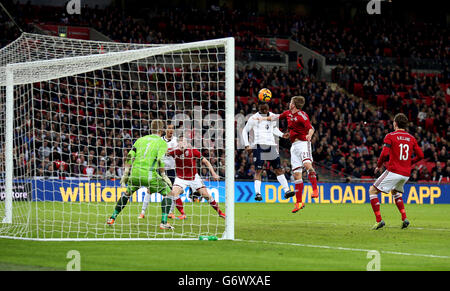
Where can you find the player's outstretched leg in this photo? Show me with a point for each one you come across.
(119, 207)
(211, 201)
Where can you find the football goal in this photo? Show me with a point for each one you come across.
(70, 113)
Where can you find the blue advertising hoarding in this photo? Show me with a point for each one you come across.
(110, 191)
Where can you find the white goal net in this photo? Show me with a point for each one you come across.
(70, 113)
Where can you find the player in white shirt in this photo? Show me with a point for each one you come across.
(168, 160)
(169, 163)
(264, 147)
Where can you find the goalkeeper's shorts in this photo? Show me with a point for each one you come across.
(156, 184)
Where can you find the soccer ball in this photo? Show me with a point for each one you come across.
(264, 95)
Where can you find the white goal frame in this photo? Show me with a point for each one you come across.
(81, 64)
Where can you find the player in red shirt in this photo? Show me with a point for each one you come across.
(300, 134)
(186, 176)
(398, 149)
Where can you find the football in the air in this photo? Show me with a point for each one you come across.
(264, 95)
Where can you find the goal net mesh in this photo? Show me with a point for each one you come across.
(78, 107)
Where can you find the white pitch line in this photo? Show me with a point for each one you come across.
(343, 248)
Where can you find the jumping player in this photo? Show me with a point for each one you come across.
(300, 134)
(398, 149)
(265, 148)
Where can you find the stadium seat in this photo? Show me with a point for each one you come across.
(381, 100)
(358, 89)
(429, 124)
(429, 100)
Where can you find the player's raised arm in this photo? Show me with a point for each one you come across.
(210, 168)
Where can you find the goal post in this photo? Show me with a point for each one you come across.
(73, 109)
(9, 124)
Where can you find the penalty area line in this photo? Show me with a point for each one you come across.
(343, 248)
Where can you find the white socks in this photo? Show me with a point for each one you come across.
(258, 186)
(146, 201)
(283, 182)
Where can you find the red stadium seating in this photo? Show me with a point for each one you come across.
(381, 100)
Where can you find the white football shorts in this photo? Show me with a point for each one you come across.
(300, 153)
(195, 184)
(389, 181)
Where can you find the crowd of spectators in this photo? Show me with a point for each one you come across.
(339, 38)
(371, 38)
(349, 130)
(422, 97)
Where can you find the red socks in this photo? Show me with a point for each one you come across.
(299, 191)
(179, 205)
(375, 206)
(313, 179)
(400, 205)
(214, 205)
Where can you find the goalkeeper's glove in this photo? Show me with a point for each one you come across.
(166, 179)
(124, 179)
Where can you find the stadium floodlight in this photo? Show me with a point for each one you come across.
(70, 112)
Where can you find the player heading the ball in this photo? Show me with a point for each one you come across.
(264, 147)
(300, 134)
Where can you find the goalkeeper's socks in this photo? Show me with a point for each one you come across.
(375, 206)
(283, 182)
(179, 205)
(400, 205)
(298, 190)
(120, 205)
(165, 207)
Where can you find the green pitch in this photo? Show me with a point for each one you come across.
(268, 237)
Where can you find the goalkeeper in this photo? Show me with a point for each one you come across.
(144, 167)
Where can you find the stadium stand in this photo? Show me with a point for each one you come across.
(350, 124)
